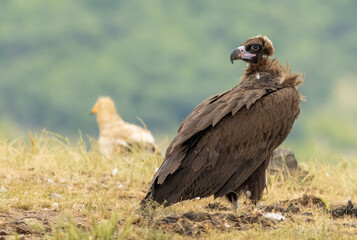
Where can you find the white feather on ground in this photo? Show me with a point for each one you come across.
(114, 133)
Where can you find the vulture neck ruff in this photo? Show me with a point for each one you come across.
(263, 67)
(274, 69)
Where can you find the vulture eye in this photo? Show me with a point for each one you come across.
(255, 47)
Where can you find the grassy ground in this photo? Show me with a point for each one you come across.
(53, 189)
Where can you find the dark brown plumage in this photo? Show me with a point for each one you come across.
(224, 146)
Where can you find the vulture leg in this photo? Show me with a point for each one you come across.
(253, 186)
(256, 183)
(233, 198)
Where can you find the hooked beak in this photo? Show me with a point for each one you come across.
(94, 111)
(241, 53)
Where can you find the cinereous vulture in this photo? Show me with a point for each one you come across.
(224, 146)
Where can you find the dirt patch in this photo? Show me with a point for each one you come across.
(219, 217)
(215, 217)
(340, 211)
(195, 223)
(309, 201)
(298, 205)
(216, 206)
(20, 223)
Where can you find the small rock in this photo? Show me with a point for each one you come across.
(281, 158)
(274, 216)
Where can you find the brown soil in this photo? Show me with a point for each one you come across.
(20, 223)
(195, 223)
(215, 217)
(340, 211)
(296, 205)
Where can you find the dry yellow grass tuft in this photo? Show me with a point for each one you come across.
(52, 188)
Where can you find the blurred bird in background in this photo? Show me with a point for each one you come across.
(116, 135)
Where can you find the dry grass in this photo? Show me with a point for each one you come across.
(53, 189)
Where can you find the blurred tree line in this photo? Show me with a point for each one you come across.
(158, 59)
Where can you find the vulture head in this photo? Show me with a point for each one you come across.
(105, 106)
(253, 50)
(106, 112)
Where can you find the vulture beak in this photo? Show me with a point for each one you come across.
(241, 53)
(94, 111)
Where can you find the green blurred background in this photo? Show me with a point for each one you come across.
(158, 59)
